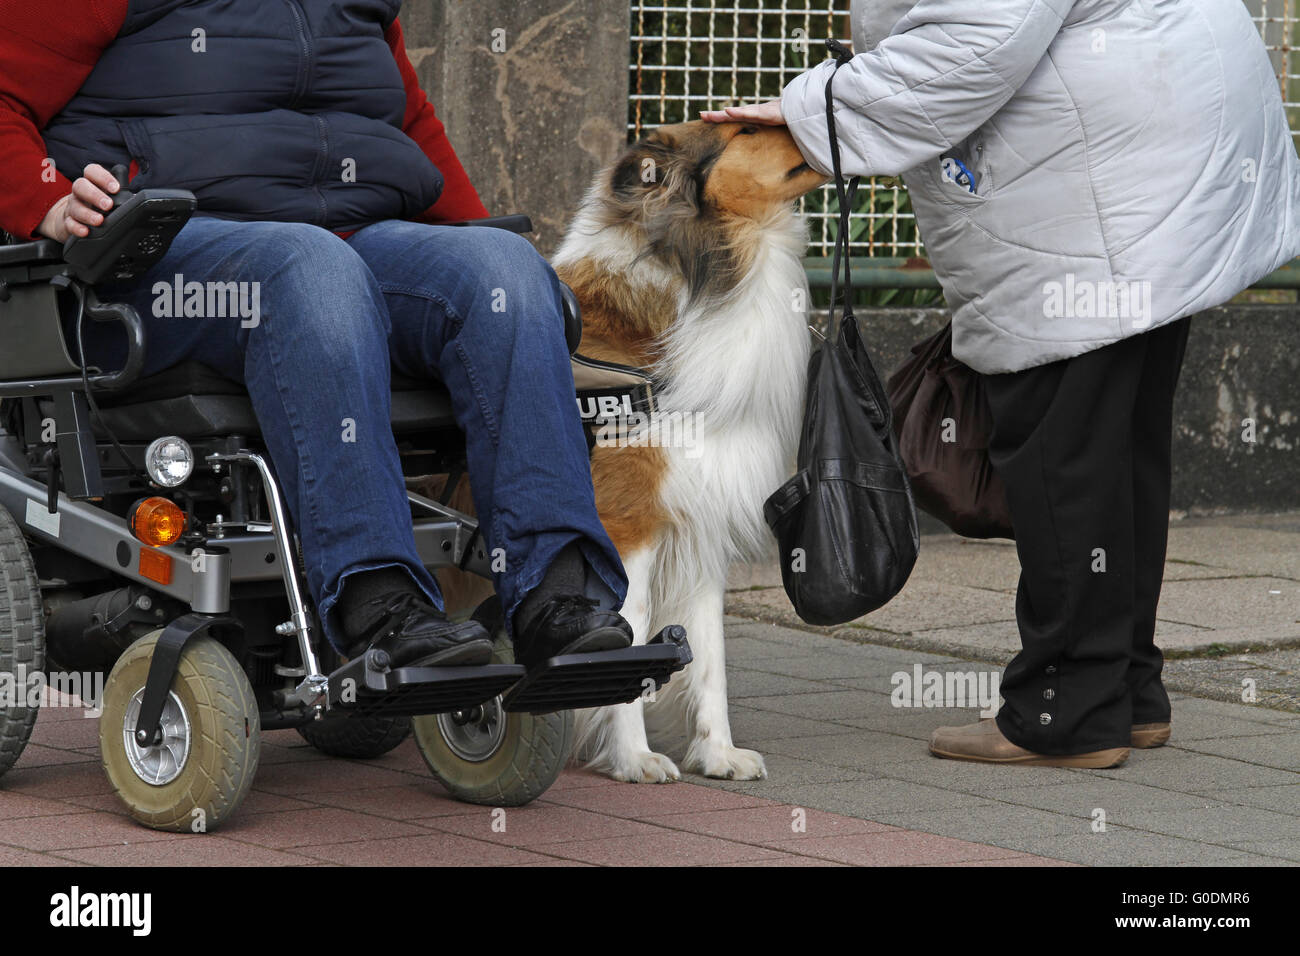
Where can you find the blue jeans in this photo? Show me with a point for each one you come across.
(475, 308)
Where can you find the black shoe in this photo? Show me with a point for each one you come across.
(413, 633)
(570, 625)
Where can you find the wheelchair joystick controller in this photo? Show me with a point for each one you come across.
(121, 173)
(134, 235)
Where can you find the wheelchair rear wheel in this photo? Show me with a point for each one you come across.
(359, 738)
(203, 768)
(22, 639)
(487, 756)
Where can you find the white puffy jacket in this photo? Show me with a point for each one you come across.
(1131, 160)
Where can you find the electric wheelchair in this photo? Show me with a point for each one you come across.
(143, 535)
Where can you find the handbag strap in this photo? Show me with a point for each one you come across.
(846, 194)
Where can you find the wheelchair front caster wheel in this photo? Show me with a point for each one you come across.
(487, 756)
(200, 772)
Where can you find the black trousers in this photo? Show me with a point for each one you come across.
(1083, 447)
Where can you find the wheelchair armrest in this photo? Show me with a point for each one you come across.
(572, 318)
(517, 223)
(38, 252)
(129, 319)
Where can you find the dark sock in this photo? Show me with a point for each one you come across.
(567, 575)
(364, 586)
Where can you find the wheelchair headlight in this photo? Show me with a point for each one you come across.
(169, 461)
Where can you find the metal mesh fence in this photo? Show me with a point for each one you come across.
(692, 55)
(1277, 20)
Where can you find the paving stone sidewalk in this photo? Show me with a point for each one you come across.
(1225, 791)
(309, 810)
(851, 781)
(1229, 609)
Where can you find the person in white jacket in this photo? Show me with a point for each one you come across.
(1086, 174)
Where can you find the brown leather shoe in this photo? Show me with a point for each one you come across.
(1146, 736)
(983, 742)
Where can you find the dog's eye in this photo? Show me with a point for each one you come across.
(748, 131)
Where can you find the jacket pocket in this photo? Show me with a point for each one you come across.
(980, 163)
(944, 190)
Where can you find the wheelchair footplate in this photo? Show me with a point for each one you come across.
(595, 679)
(366, 686)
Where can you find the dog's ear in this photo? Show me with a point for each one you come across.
(642, 169)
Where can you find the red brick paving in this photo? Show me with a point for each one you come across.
(412, 801)
(12, 857)
(536, 826)
(56, 808)
(664, 848)
(72, 830)
(653, 800)
(184, 850)
(436, 849)
(289, 828)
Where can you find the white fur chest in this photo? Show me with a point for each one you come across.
(737, 371)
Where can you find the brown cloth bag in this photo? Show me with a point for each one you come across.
(943, 423)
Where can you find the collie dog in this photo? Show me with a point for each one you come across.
(685, 259)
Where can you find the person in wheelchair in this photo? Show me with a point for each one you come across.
(322, 175)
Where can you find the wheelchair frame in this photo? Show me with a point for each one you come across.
(58, 493)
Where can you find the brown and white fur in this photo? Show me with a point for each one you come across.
(685, 258)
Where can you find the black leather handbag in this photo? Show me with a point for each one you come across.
(846, 522)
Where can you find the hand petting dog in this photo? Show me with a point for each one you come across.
(763, 114)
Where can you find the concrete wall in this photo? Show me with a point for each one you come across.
(1243, 362)
(533, 94)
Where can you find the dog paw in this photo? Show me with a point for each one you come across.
(725, 763)
(647, 767)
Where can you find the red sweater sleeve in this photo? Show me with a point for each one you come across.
(44, 59)
(459, 200)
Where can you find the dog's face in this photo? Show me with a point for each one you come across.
(692, 188)
(735, 168)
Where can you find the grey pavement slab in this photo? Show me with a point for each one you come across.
(978, 779)
(1263, 545)
(1085, 792)
(869, 797)
(915, 723)
(1213, 823)
(1228, 603)
(749, 724)
(1288, 848)
(1284, 798)
(992, 821)
(826, 705)
(862, 750)
(1172, 769)
(1231, 582)
(921, 605)
(842, 667)
(757, 683)
(1225, 792)
(1280, 751)
(1252, 713)
(1270, 679)
(1120, 846)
